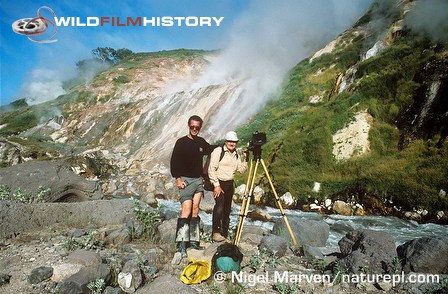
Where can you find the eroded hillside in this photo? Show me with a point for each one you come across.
(364, 119)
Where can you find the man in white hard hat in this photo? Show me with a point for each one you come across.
(224, 162)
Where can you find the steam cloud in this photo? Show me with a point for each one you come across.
(267, 41)
(429, 17)
(47, 84)
(42, 85)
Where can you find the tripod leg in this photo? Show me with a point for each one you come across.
(243, 204)
(246, 206)
(279, 205)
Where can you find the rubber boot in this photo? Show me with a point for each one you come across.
(194, 233)
(225, 227)
(182, 235)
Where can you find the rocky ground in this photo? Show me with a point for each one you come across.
(124, 245)
(70, 259)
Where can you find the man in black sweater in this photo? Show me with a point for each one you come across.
(186, 168)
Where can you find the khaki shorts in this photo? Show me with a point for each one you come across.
(193, 186)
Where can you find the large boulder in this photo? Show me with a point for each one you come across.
(425, 255)
(309, 232)
(274, 245)
(167, 230)
(367, 251)
(78, 282)
(252, 234)
(56, 175)
(19, 217)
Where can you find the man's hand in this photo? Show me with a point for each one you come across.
(246, 155)
(180, 183)
(217, 191)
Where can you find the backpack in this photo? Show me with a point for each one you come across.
(227, 258)
(208, 186)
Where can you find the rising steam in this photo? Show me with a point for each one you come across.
(429, 17)
(42, 85)
(267, 41)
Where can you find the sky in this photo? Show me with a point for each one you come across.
(28, 67)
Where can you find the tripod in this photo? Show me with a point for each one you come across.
(248, 192)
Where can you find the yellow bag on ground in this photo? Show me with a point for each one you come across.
(196, 272)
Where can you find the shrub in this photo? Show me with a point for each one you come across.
(149, 219)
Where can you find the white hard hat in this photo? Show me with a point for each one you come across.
(231, 136)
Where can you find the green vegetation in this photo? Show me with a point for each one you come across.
(264, 260)
(18, 121)
(287, 288)
(89, 241)
(178, 54)
(96, 286)
(149, 218)
(4, 279)
(338, 271)
(299, 148)
(22, 196)
(121, 80)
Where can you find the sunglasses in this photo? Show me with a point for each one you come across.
(197, 128)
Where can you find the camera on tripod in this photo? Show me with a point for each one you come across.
(258, 140)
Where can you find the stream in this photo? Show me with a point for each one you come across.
(400, 230)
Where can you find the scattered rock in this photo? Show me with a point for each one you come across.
(316, 187)
(78, 282)
(257, 196)
(260, 215)
(84, 258)
(310, 232)
(425, 255)
(40, 274)
(353, 139)
(118, 237)
(65, 270)
(340, 207)
(167, 230)
(253, 234)
(313, 252)
(274, 245)
(287, 200)
(207, 202)
(367, 251)
(130, 278)
(176, 258)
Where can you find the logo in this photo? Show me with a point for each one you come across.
(41, 29)
(37, 26)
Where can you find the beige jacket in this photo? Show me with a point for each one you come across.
(225, 169)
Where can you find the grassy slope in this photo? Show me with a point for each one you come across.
(299, 148)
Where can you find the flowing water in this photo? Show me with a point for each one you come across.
(400, 230)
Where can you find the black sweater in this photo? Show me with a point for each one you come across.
(187, 156)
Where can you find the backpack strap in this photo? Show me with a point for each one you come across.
(223, 152)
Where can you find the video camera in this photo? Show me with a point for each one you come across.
(258, 140)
